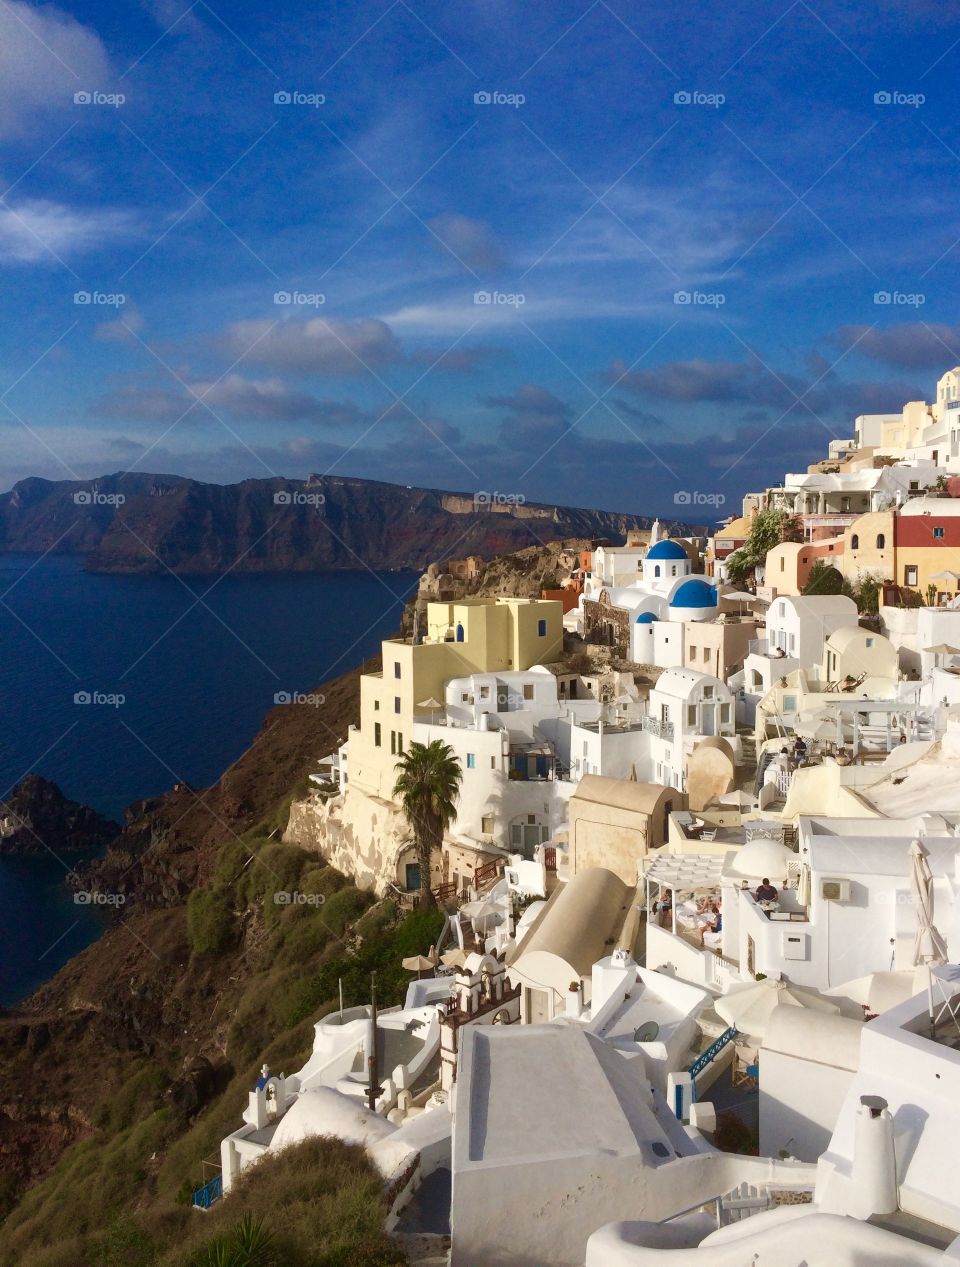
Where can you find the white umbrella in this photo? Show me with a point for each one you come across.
(748, 1007)
(432, 704)
(929, 946)
(417, 964)
(454, 958)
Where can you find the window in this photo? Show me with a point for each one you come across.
(708, 692)
(938, 534)
(656, 570)
(693, 653)
(706, 654)
(855, 542)
(789, 703)
(691, 714)
(484, 692)
(396, 668)
(881, 540)
(869, 643)
(471, 761)
(486, 824)
(459, 633)
(724, 714)
(910, 574)
(465, 697)
(396, 703)
(541, 629)
(393, 743)
(528, 690)
(399, 743)
(376, 706)
(376, 734)
(783, 564)
(493, 763)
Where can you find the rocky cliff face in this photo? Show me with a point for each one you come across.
(151, 523)
(37, 817)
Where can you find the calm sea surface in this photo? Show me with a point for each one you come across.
(178, 673)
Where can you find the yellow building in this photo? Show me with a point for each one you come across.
(869, 547)
(478, 635)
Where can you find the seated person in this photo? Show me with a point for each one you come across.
(710, 934)
(665, 909)
(766, 892)
(799, 750)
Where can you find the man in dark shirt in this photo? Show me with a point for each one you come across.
(765, 891)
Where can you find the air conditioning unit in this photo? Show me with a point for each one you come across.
(835, 890)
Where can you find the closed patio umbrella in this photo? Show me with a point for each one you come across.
(929, 946)
(748, 1007)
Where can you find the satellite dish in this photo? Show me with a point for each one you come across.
(646, 1032)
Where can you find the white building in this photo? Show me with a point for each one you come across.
(684, 707)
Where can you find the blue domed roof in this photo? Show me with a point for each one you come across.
(646, 618)
(694, 593)
(666, 550)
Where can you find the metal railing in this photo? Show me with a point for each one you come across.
(661, 729)
(713, 1051)
(204, 1197)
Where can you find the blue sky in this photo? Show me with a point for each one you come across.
(631, 154)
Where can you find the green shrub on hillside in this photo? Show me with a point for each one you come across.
(210, 921)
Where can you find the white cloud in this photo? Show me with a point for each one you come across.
(316, 345)
(42, 231)
(45, 57)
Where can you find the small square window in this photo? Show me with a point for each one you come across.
(484, 692)
(938, 534)
(486, 824)
(708, 692)
(527, 690)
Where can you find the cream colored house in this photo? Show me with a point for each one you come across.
(614, 823)
(480, 635)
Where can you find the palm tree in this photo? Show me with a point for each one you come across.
(427, 786)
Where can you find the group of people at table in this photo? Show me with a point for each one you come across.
(706, 915)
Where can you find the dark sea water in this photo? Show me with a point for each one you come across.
(197, 663)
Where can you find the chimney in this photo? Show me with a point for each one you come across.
(874, 1171)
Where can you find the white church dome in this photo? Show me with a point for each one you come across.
(324, 1111)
